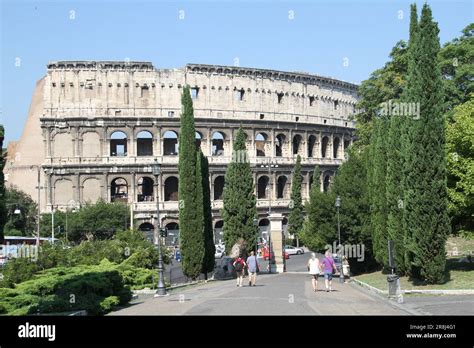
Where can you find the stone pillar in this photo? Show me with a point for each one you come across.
(276, 233)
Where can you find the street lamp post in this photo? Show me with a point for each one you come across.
(338, 205)
(39, 208)
(52, 223)
(255, 224)
(161, 290)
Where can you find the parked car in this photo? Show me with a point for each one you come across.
(292, 250)
(220, 251)
(266, 254)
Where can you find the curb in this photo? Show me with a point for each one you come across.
(412, 291)
(152, 291)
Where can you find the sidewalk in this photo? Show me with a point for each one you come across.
(282, 294)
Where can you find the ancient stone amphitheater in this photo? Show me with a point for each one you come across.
(94, 130)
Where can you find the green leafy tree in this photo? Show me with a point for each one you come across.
(93, 221)
(209, 247)
(350, 184)
(239, 198)
(296, 216)
(24, 223)
(190, 203)
(456, 61)
(460, 159)
(319, 228)
(425, 202)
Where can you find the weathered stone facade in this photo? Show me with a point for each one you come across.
(95, 128)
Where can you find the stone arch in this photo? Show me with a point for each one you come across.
(119, 190)
(327, 182)
(282, 187)
(219, 187)
(148, 230)
(198, 137)
(144, 143)
(297, 140)
(145, 189)
(279, 143)
(311, 146)
(261, 144)
(262, 186)
(63, 191)
(170, 143)
(171, 188)
(62, 145)
(90, 144)
(118, 144)
(324, 146)
(335, 147)
(91, 190)
(217, 139)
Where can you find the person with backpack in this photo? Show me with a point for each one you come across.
(252, 267)
(314, 267)
(239, 266)
(328, 265)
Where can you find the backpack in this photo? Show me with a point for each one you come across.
(238, 266)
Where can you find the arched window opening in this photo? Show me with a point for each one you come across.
(170, 143)
(281, 192)
(260, 141)
(324, 146)
(218, 187)
(118, 144)
(145, 190)
(171, 189)
(262, 187)
(217, 144)
(119, 190)
(144, 144)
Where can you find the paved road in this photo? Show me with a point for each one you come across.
(440, 304)
(282, 294)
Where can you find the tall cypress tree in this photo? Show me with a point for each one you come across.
(378, 206)
(296, 217)
(209, 247)
(3, 208)
(190, 203)
(239, 198)
(425, 216)
(395, 189)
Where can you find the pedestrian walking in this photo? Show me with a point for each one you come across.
(253, 268)
(314, 268)
(329, 266)
(239, 266)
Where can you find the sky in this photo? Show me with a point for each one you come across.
(337, 38)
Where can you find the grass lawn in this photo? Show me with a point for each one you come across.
(461, 277)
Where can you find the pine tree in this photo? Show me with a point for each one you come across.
(394, 182)
(377, 187)
(209, 247)
(425, 202)
(239, 198)
(296, 216)
(190, 203)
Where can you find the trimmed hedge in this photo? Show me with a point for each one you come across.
(96, 289)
